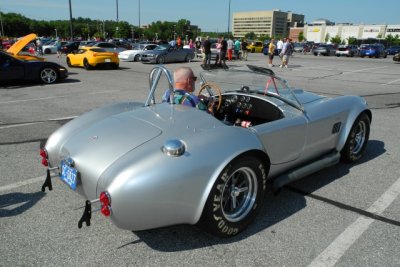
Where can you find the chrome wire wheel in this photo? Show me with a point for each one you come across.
(239, 194)
(359, 138)
(48, 75)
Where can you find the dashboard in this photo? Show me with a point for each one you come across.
(246, 110)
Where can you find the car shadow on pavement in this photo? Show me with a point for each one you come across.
(13, 204)
(276, 208)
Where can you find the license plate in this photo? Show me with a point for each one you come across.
(107, 60)
(69, 175)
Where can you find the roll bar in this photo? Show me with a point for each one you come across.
(154, 78)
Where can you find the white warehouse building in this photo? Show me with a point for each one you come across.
(322, 30)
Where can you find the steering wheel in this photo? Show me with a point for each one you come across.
(212, 86)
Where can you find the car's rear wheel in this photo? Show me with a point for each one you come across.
(48, 75)
(160, 60)
(86, 64)
(115, 66)
(357, 139)
(69, 62)
(47, 51)
(236, 197)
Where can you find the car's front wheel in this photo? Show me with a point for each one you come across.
(160, 60)
(48, 75)
(236, 197)
(136, 58)
(357, 140)
(187, 58)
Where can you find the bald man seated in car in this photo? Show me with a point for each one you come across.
(184, 87)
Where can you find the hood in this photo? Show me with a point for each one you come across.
(21, 43)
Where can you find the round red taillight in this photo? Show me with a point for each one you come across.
(106, 210)
(45, 162)
(105, 199)
(43, 153)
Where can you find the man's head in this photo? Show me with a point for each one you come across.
(185, 79)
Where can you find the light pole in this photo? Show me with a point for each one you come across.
(229, 15)
(1, 22)
(56, 34)
(70, 21)
(117, 9)
(139, 15)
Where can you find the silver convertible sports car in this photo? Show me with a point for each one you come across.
(166, 53)
(154, 164)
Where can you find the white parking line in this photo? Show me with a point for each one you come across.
(331, 255)
(398, 80)
(361, 70)
(36, 122)
(54, 97)
(23, 183)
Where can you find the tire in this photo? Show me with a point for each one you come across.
(136, 58)
(220, 217)
(69, 62)
(357, 140)
(86, 64)
(187, 58)
(47, 51)
(115, 66)
(48, 75)
(160, 60)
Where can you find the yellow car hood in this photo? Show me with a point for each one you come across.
(21, 43)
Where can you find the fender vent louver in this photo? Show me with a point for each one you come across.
(336, 127)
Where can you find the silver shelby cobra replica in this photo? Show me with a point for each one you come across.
(154, 164)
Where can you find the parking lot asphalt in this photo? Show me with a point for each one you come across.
(346, 215)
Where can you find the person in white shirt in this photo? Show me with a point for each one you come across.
(230, 48)
(279, 46)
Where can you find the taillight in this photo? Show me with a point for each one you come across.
(106, 210)
(44, 155)
(105, 200)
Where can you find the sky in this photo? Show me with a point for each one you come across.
(209, 15)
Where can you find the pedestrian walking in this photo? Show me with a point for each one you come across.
(271, 52)
(279, 46)
(224, 49)
(286, 52)
(230, 48)
(236, 48)
(207, 53)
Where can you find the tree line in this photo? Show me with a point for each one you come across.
(16, 25)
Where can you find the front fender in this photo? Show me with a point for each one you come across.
(358, 105)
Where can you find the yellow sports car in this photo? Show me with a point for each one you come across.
(90, 57)
(255, 47)
(17, 47)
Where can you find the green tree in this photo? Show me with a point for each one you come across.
(327, 37)
(352, 40)
(301, 37)
(336, 40)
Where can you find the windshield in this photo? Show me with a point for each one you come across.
(162, 47)
(252, 82)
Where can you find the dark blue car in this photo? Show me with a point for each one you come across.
(375, 50)
(393, 50)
